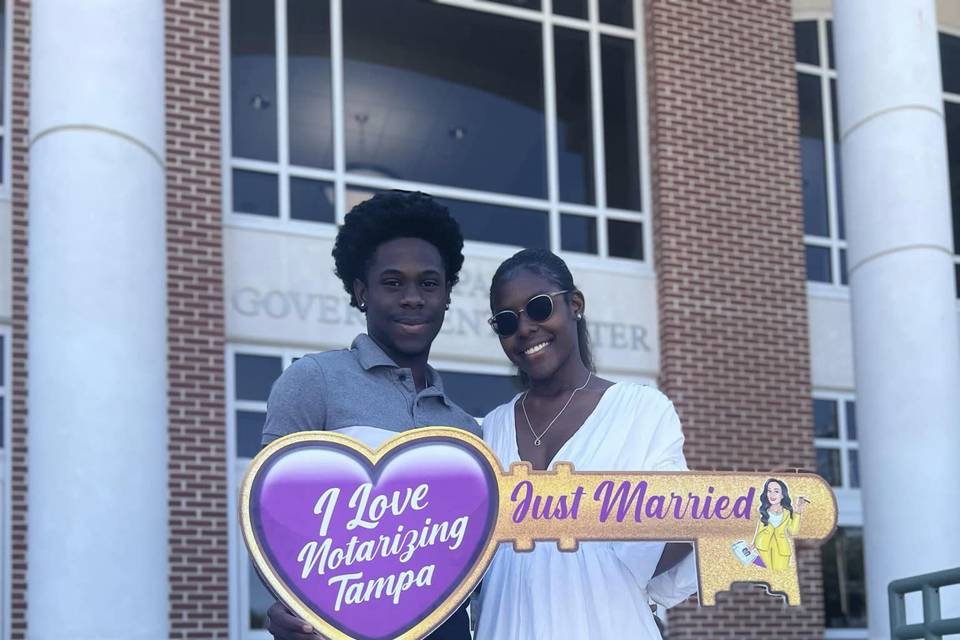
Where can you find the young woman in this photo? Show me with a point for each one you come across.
(778, 517)
(601, 591)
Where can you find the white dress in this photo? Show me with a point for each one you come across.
(603, 590)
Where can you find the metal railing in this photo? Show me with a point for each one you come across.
(933, 626)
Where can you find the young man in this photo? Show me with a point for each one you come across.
(399, 255)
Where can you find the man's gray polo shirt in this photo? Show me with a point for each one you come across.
(357, 387)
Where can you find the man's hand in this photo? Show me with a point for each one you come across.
(286, 626)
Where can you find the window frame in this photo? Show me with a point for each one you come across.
(849, 501)
(825, 75)
(342, 180)
(5, 127)
(953, 98)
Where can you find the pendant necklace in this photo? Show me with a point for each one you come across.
(537, 439)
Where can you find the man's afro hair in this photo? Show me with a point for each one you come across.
(389, 215)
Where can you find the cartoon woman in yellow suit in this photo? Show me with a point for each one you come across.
(778, 517)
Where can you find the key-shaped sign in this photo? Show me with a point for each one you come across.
(368, 544)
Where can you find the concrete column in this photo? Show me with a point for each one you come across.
(97, 487)
(906, 350)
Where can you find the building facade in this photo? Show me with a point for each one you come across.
(171, 183)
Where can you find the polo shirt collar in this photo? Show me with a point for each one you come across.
(370, 355)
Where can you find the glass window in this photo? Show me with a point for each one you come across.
(311, 200)
(828, 466)
(260, 598)
(820, 154)
(818, 264)
(3, 83)
(825, 423)
(572, 8)
(574, 119)
(620, 124)
(256, 193)
(835, 437)
(428, 99)
(618, 12)
(578, 233)
(952, 116)
(815, 215)
(844, 587)
(308, 72)
(479, 393)
(253, 79)
(805, 42)
(255, 375)
(503, 225)
(249, 432)
(2, 361)
(950, 62)
(625, 239)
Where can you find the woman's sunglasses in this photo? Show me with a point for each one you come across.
(538, 308)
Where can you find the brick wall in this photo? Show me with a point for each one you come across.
(730, 266)
(19, 50)
(199, 505)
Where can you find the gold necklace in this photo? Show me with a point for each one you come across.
(537, 439)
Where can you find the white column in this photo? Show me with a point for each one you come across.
(97, 462)
(906, 350)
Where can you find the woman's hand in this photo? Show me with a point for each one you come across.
(801, 503)
(286, 626)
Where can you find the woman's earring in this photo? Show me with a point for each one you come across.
(363, 306)
(579, 317)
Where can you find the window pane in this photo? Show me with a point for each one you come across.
(2, 346)
(843, 266)
(952, 116)
(523, 4)
(805, 41)
(578, 233)
(854, 468)
(830, 58)
(249, 432)
(851, 409)
(256, 193)
(620, 136)
(828, 466)
(308, 70)
(260, 599)
(503, 225)
(255, 375)
(625, 239)
(619, 12)
(253, 80)
(844, 588)
(2, 409)
(837, 167)
(429, 99)
(818, 264)
(572, 8)
(825, 419)
(957, 277)
(3, 56)
(950, 62)
(574, 119)
(812, 156)
(478, 393)
(311, 200)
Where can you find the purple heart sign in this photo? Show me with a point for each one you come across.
(372, 545)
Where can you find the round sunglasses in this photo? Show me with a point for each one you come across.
(538, 308)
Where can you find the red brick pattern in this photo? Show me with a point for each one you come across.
(199, 504)
(730, 265)
(19, 50)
